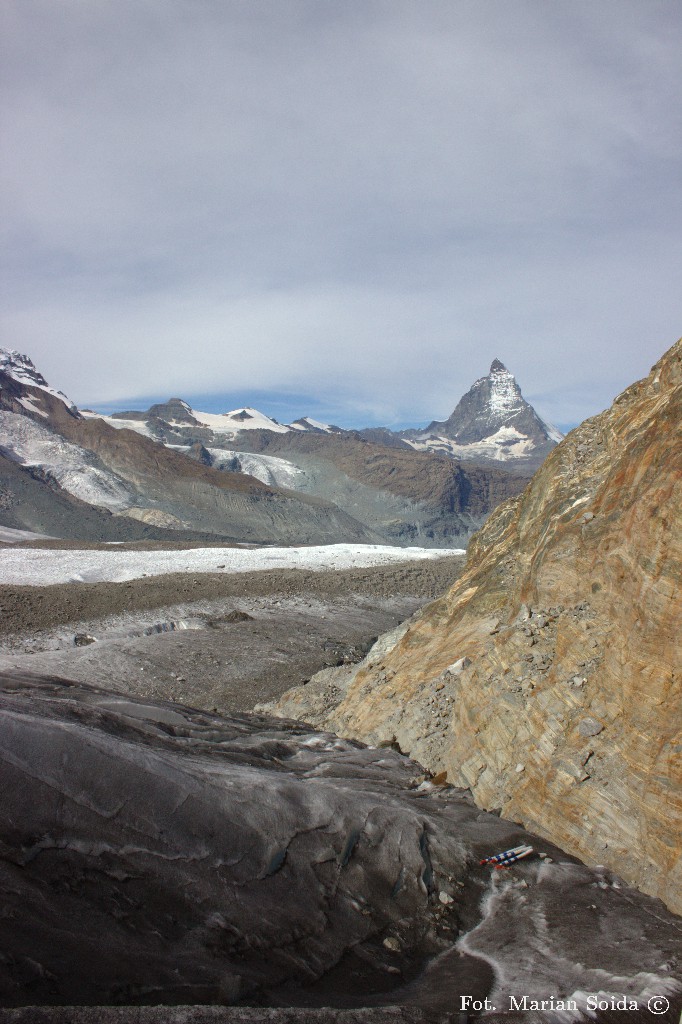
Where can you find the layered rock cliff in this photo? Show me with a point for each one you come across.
(547, 680)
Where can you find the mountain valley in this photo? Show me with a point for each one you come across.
(257, 748)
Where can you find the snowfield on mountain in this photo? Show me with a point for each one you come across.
(72, 467)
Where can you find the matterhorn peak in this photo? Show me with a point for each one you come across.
(498, 367)
(492, 421)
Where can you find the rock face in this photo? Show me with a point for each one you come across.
(492, 402)
(547, 680)
(152, 853)
(172, 411)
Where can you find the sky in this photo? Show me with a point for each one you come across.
(341, 208)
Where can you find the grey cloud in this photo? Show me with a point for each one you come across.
(375, 198)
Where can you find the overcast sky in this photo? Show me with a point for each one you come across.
(342, 208)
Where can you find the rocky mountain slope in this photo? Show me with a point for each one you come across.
(547, 679)
(31, 501)
(409, 497)
(132, 475)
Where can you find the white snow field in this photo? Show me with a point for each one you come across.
(269, 469)
(30, 444)
(507, 443)
(239, 419)
(44, 566)
(8, 535)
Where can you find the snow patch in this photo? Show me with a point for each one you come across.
(505, 396)
(29, 403)
(31, 444)
(269, 469)
(506, 444)
(238, 419)
(308, 423)
(40, 566)
(21, 369)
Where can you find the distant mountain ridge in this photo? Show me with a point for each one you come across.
(492, 423)
(240, 475)
(62, 472)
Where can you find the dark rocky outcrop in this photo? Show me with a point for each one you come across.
(173, 411)
(152, 853)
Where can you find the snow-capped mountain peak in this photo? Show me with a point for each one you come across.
(238, 419)
(492, 421)
(504, 393)
(21, 369)
(308, 423)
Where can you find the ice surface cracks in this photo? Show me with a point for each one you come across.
(232, 835)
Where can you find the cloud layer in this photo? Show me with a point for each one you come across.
(362, 202)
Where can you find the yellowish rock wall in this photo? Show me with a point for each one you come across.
(548, 679)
